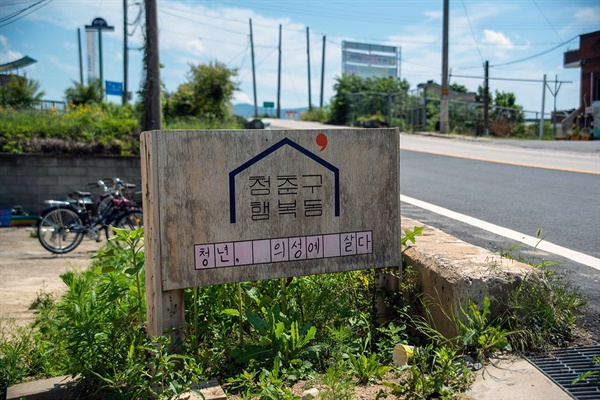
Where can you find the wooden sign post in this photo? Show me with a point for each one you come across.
(235, 206)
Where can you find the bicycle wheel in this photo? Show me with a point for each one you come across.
(131, 220)
(60, 230)
(104, 205)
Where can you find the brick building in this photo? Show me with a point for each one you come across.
(587, 57)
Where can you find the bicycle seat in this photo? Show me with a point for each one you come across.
(82, 194)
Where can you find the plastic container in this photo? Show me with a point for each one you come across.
(402, 354)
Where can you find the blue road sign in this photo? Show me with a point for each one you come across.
(115, 88)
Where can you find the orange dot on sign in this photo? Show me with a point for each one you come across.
(322, 141)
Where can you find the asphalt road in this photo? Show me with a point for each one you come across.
(545, 194)
(566, 205)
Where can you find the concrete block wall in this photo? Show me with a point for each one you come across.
(29, 179)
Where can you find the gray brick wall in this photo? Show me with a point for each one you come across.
(29, 179)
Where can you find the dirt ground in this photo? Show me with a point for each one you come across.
(26, 269)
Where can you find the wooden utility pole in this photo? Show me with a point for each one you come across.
(543, 104)
(444, 102)
(253, 70)
(322, 72)
(153, 117)
(486, 100)
(279, 78)
(125, 54)
(308, 61)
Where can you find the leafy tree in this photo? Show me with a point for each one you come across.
(207, 94)
(369, 93)
(80, 94)
(341, 101)
(507, 117)
(506, 107)
(479, 96)
(19, 92)
(455, 87)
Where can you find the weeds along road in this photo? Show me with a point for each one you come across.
(497, 194)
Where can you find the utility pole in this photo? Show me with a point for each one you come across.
(322, 72)
(153, 117)
(253, 70)
(308, 58)
(399, 62)
(279, 78)
(543, 105)
(125, 54)
(80, 57)
(555, 93)
(486, 99)
(444, 102)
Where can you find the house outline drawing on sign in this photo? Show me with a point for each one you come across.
(271, 150)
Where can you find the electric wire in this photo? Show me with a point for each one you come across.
(472, 32)
(168, 12)
(535, 55)
(547, 21)
(17, 15)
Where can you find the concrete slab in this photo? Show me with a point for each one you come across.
(44, 389)
(513, 378)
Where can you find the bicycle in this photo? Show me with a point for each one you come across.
(63, 224)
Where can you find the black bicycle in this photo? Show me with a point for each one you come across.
(63, 224)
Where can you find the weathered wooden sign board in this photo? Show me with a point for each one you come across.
(232, 206)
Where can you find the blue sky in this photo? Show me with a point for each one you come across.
(199, 31)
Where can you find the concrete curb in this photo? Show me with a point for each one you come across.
(452, 271)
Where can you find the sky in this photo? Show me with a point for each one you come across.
(521, 39)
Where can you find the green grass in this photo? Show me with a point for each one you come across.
(261, 337)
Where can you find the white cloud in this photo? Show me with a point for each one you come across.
(589, 14)
(497, 39)
(8, 56)
(434, 14)
(241, 98)
(3, 40)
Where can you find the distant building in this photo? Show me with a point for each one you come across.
(432, 87)
(6, 70)
(587, 57)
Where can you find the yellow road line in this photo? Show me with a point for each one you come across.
(580, 171)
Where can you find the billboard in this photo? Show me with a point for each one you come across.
(92, 56)
(370, 60)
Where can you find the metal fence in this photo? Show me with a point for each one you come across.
(58, 106)
(417, 113)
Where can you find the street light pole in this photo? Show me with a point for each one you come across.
(99, 25)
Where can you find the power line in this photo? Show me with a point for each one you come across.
(548, 22)
(168, 12)
(536, 55)
(507, 79)
(472, 33)
(17, 14)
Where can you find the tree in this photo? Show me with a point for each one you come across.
(344, 87)
(80, 94)
(19, 92)
(207, 94)
(507, 116)
(365, 96)
(455, 87)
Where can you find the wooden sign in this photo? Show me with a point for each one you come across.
(232, 206)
